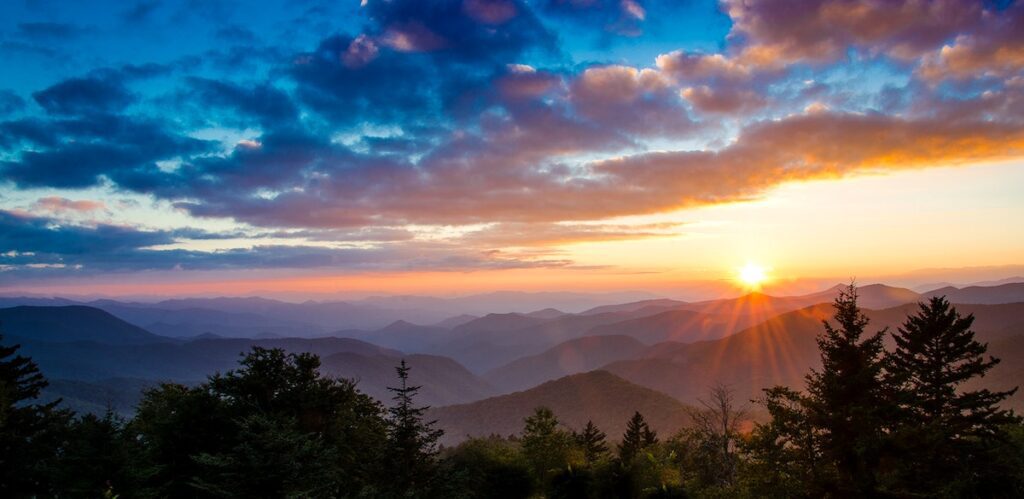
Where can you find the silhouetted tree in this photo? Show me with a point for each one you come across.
(638, 437)
(31, 434)
(716, 429)
(412, 442)
(274, 426)
(784, 454)
(592, 442)
(945, 431)
(96, 458)
(848, 400)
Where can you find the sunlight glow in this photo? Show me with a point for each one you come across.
(752, 275)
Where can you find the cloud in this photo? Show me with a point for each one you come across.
(621, 17)
(84, 95)
(32, 247)
(261, 102)
(641, 102)
(726, 100)
(79, 152)
(50, 30)
(555, 234)
(994, 49)
(820, 31)
(58, 205)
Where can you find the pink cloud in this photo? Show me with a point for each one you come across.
(56, 205)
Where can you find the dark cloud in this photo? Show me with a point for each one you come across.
(85, 95)
(622, 17)
(262, 102)
(460, 31)
(10, 103)
(50, 31)
(76, 153)
(352, 80)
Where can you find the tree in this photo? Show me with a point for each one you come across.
(412, 442)
(848, 400)
(274, 426)
(717, 429)
(546, 446)
(31, 434)
(944, 431)
(592, 442)
(784, 454)
(489, 468)
(96, 458)
(638, 437)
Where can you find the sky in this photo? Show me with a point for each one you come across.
(315, 148)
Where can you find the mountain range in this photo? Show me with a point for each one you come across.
(475, 368)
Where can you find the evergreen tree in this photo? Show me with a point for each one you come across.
(848, 401)
(592, 441)
(638, 437)
(412, 442)
(944, 431)
(31, 434)
(96, 458)
(784, 454)
(547, 447)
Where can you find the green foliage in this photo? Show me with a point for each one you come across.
(549, 448)
(410, 465)
(488, 468)
(592, 442)
(638, 437)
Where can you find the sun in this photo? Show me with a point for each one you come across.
(752, 275)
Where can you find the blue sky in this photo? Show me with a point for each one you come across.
(177, 140)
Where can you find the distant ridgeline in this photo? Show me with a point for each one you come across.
(872, 394)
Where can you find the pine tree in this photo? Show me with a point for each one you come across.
(30, 433)
(546, 446)
(413, 442)
(944, 430)
(638, 437)
(847, 400)
(592, 441)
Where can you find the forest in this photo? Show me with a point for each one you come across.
(871, 422)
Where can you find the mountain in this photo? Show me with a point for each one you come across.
(442, 381)
(1008, 373)
(634, 306)
(777, 351)
(72, 323)
(496, 323)
(456, 320)
(608, 400)
(191, 322)
(781, 350)
(404, 336)
(762, 306)
(988, 295)
(497, 339)
(571, 357)
(184, 362)
(676, 325)
(503, 302)
(546, 313)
